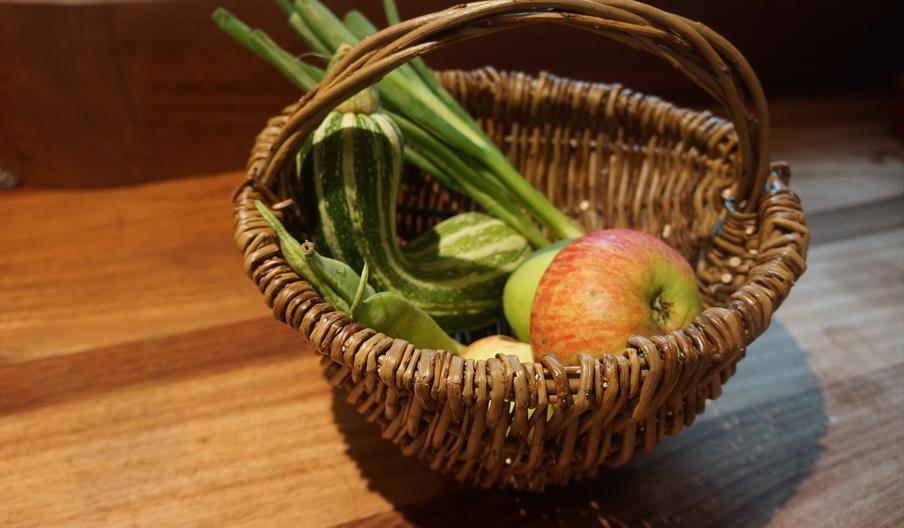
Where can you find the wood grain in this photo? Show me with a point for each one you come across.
(45, 381)
(860, 219)
(144, 383)
(110, 92)
(264, 441)
(226, 445)
(840, 150)
(120, 92)
(81, 270)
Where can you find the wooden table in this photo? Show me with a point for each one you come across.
(145, 383)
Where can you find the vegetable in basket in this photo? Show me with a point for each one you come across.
(446, 142)
(348, 292)
(455, 271)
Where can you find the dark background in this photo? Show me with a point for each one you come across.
(115, 92)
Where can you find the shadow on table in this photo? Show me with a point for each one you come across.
(739, 462)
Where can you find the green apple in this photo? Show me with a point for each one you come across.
(518, 295)
(607, 286)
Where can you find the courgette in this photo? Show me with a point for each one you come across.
(455, 271)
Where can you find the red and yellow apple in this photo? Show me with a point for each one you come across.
(607, 286)
(488, 347)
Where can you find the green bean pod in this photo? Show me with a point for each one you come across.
(343, 288)
(395, 316)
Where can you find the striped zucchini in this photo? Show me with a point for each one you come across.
(455, 271)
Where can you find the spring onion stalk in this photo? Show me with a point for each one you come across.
(473, 187)
(362, 27)
(302, 30)
(427, 166)
(426, 76)
(286, 6)
(442, 163)
(432, 157)
(302, 75)
(359, 24)
(307, 35)
(405, 92)
(480, 184)
(416, 70)
(392, 13)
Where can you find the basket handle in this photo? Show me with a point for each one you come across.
(702, 55)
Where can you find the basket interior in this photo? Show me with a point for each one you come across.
(607, 156)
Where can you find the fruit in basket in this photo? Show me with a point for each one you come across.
(607, 286)
(518, 294)
(488, 347)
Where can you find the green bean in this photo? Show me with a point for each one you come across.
(395, 316)
(300, 262)
(362, 288)
(340, 286)
(339, 275)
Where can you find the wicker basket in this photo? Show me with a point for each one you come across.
(609, 157)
